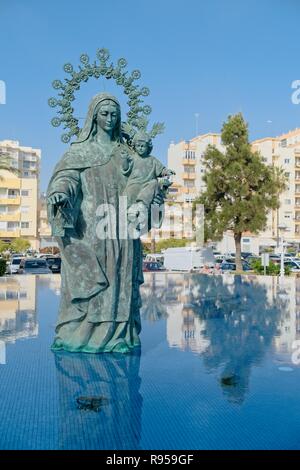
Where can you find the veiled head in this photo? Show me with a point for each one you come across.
(104, 111)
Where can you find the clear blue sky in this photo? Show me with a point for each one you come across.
(213, 57)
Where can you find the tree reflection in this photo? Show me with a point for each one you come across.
(240, 324)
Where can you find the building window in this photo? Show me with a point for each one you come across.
(188, 169)
(12, 193)
(3, 209)
(189, 155)
(189, 184)
(283, 143)
(24, 209)
(29, 164)
(287, 174)
(24, 224)
(286, 160)
(11, 226)
(25, 192)
(287, 201)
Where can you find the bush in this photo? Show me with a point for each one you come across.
(3, 246)
(2, 266)
(170, 243)
(19, 245)
(146, 248)
(272, 270)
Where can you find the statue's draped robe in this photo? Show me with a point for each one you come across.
(99, 309)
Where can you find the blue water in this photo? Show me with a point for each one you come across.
(219, 368)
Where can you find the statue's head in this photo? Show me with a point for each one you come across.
(142, 144)
(105, 113)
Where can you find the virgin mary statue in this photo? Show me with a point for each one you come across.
(100, 300)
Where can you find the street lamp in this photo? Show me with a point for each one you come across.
(282, 228)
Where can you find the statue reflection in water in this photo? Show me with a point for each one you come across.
(100, 403)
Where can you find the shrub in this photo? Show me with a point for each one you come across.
(2, 266)
(272, 270)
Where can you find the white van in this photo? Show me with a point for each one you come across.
(155, 257)
(188, 258)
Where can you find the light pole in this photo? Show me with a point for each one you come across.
(282, 228)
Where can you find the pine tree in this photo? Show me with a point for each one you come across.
(240, 188)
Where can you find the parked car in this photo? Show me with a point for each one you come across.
(44, 255)
(246, 254)
(54, 263)
(34, 266)
(152, 266)
(159, 257)
(219, 258)
(226, 266)
(13, 265)
(293, 265)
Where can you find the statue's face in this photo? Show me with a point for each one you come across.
(141, 148)
(107, 116)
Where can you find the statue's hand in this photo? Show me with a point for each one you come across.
(58, 199)
(168, 172)
(126, 156)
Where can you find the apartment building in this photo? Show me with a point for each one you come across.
(284, 152)
(186, 159)
(19, 193)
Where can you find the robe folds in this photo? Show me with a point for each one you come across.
(100, 300)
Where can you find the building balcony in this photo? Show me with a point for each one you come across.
(10, 217)
(11, 183)
(188, 176)
(187, 161)
(16, 201)
(9, 233)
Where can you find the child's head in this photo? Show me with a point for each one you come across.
(142, 144)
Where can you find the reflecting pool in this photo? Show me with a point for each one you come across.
(219, 368)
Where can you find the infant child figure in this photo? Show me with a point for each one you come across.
(143, 171)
